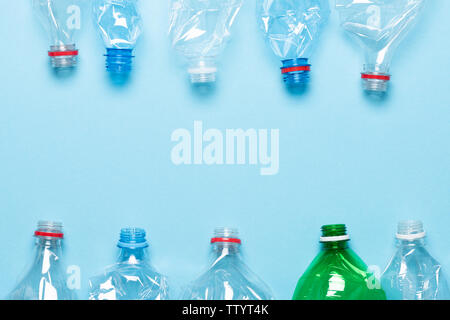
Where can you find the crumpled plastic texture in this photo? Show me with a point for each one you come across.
(379, 25)
(46, 279)
(55, 17)
(228, 278)
(413, 274)
(337, 273)
(129, 279)
(201, 28)
(291, 26)
(119, 22)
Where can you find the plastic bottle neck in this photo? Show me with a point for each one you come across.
(119, 60)
(132, 255)
(225, 244)
(335, 245)
(63, 55)
(225, 249)
(410, 233)
(375, 77)
(132, 244)
(296, 71)
(411, 243)
(334, 237)
(225, 253)
(202, 70)
(44, 242)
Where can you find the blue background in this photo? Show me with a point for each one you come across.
(96, 155)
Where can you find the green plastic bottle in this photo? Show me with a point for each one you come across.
(337, 273)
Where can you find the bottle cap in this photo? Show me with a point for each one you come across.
(224, 234)
(132, 238)
(410, 230)
(49, 229)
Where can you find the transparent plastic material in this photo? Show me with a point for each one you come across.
(412, 273)
(60, 19)
(379, 25)
(337, 273)
(228, 277)
(120, 26)
(132, 277)
(291, 28)
(46, 279)
(199, 30)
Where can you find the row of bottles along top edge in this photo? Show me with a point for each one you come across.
(200, 29)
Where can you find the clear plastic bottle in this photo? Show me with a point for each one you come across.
(412, 273)
(120, 26)
(379, 26)
(60, 19)
(291, 28)
(199, 30)
(132, 277)
(46, 279)
(228, 277)
(337, 273)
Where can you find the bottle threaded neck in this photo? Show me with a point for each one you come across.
(63, 56)
(226, 235)
(202, 78)
(202, 70)
(296, 71)
(375, 85)
(119, 60)
(334, 232)
(132, 238)
(410, 230)
(375, 78)
(49, 230)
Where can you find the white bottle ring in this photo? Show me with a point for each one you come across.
(335, 238)
(412, 236)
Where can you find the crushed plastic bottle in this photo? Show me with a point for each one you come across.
(412, 273)
(61, 20)
(337, 273)
(291, 28)
(199, 30)
(228, 277)
(120, 26)
(46, 279)
(132, 277)
(380, 26)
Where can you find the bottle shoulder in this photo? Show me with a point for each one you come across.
(338, 274)
(40, 284)
(128, 282)
(228, 280)
(414, 259)
(340, 261)
(413, 274)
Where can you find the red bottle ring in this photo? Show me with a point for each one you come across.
(375, 76)
(233, 240)
(292, 69)
(62, 53)
(49, 234)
